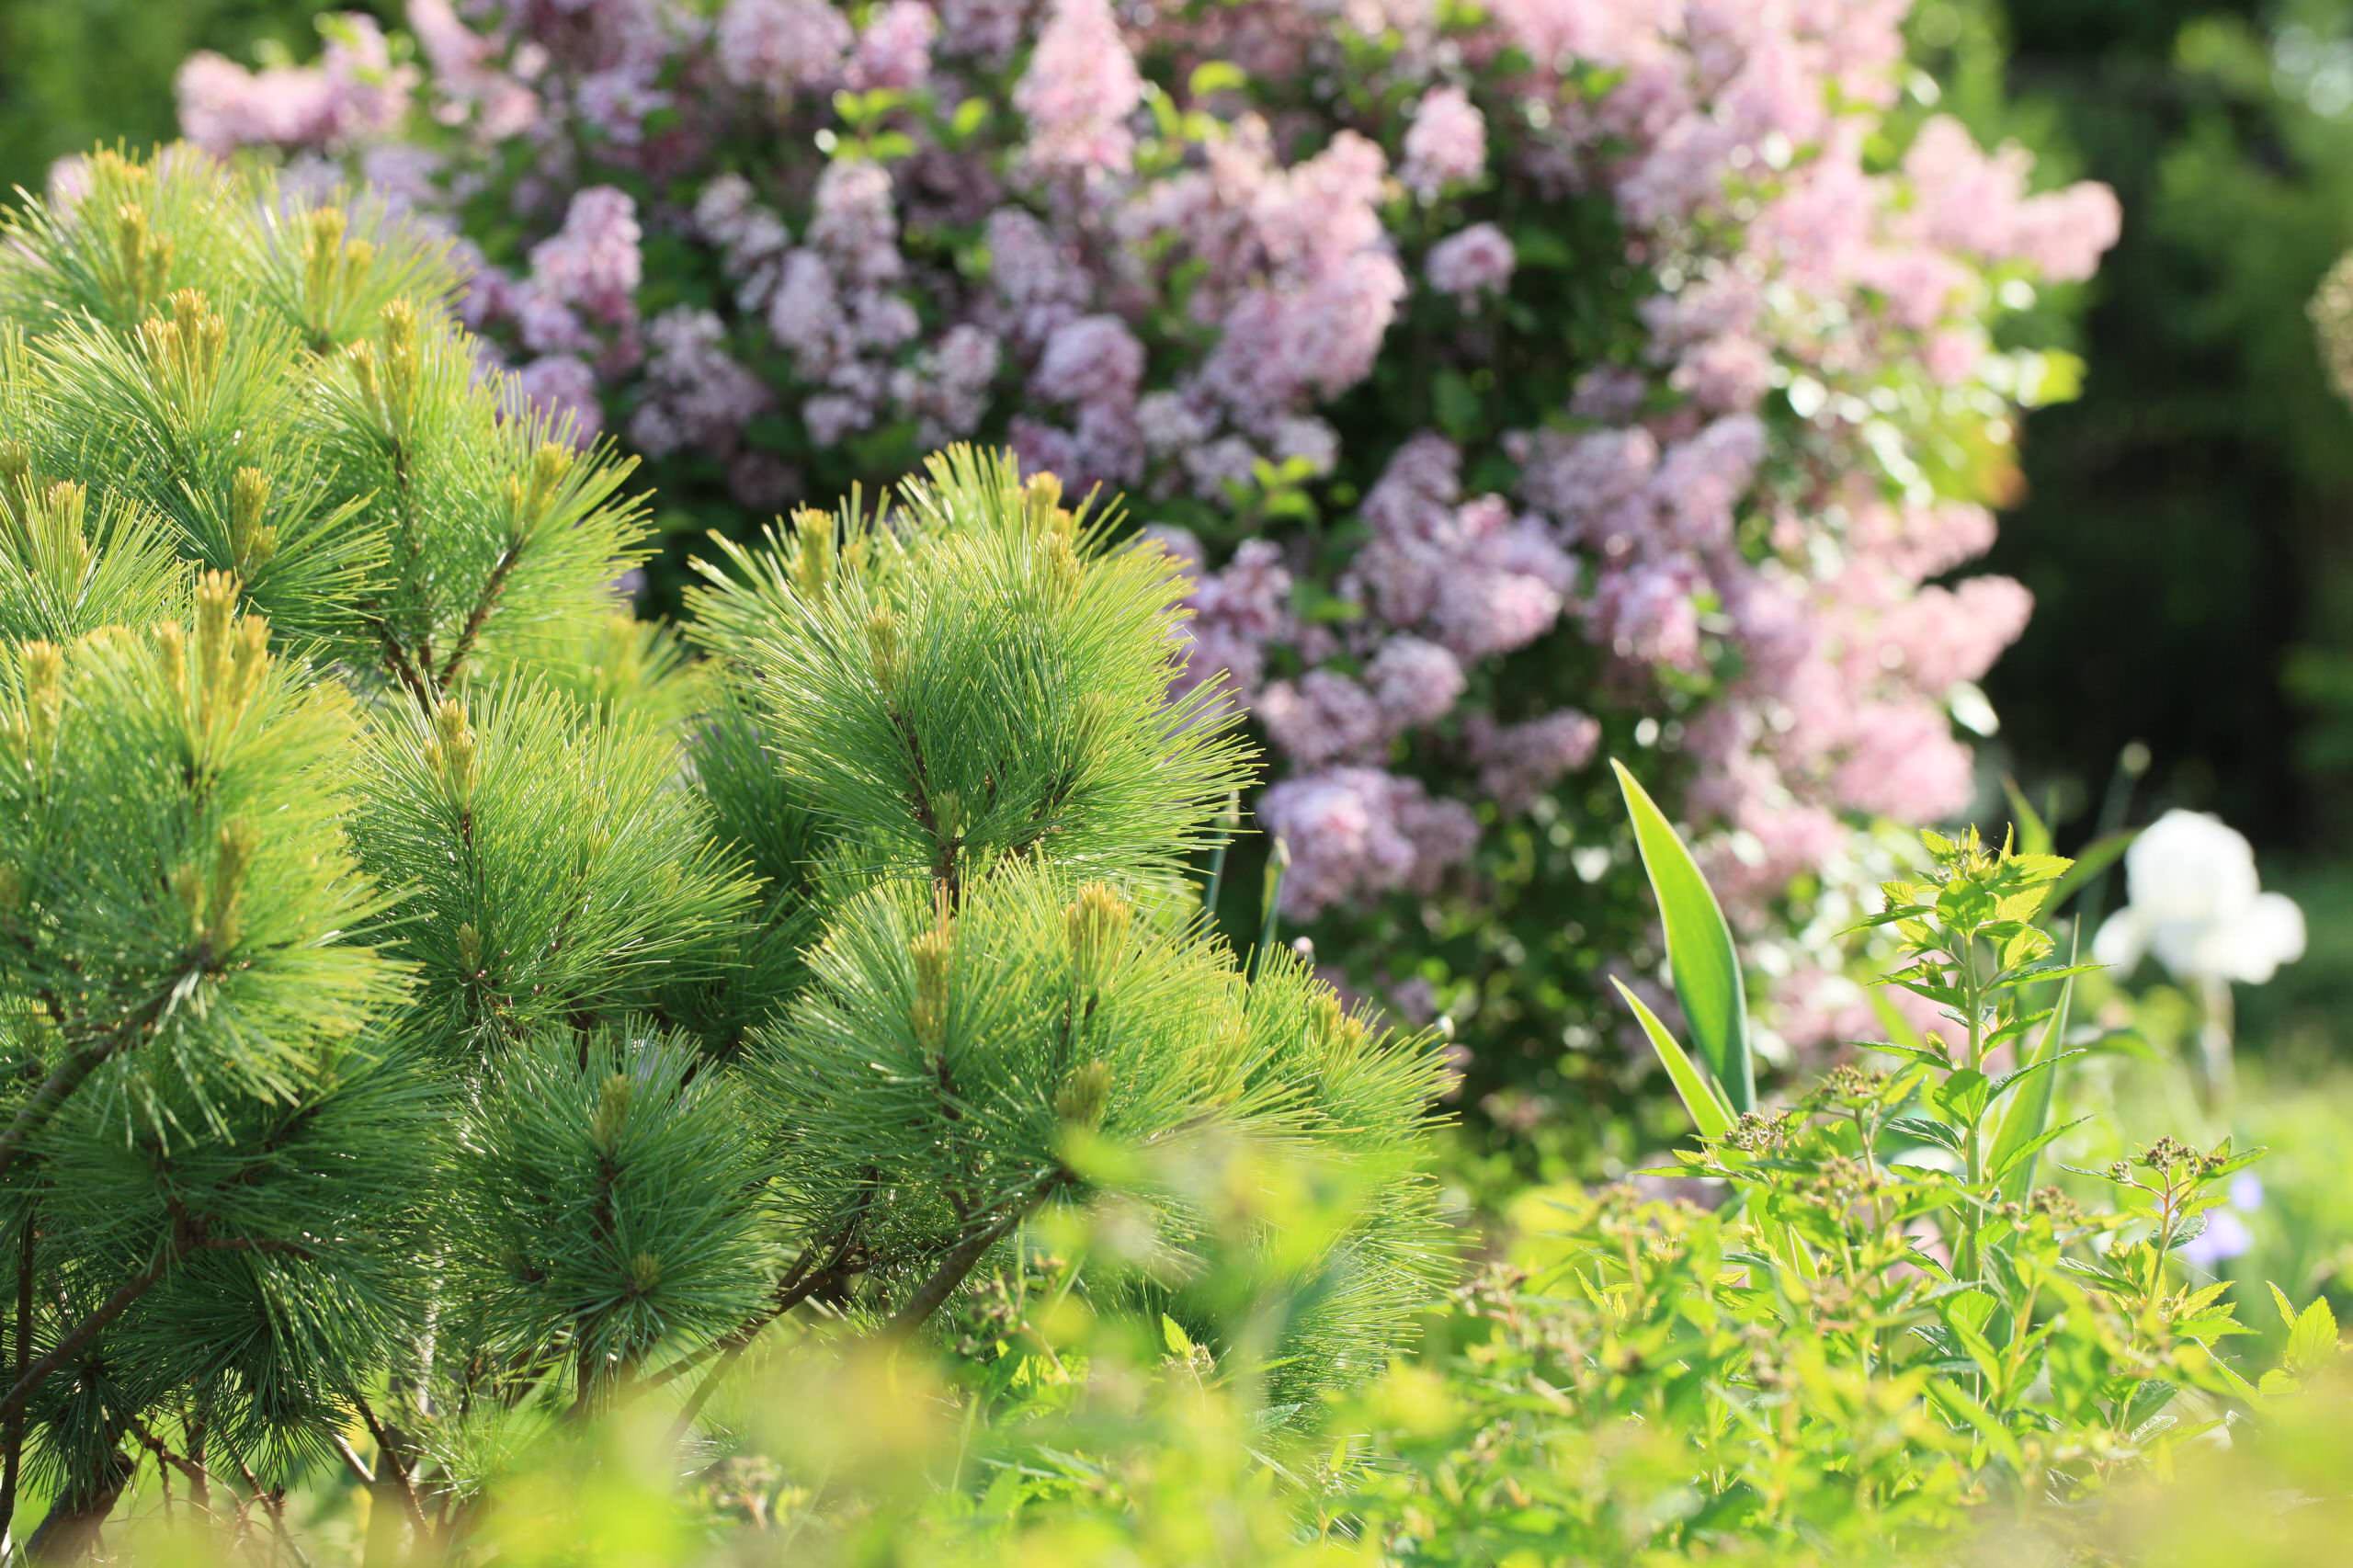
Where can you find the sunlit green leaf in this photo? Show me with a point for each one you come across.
(1691, 1086)
(1699, 945)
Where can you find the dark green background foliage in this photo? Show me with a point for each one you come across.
(76, 72)
(2184, 523)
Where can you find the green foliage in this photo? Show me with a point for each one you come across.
(282, 389)
(63, 573)
(1879, 1340)
(1708, 981)
(1006, 701)
(177, 876)
(552, 868)
(1700, 1097)
(2025, 1128)
(471, 1065)
(74, 75)
(1010, 987)
(466, 1016)
(206, 1163)
(610, 1201)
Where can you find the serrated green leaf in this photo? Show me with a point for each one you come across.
(1962, 1096)
(2035, 973)
(2312, 1344)
(1925, 1130)
(1910, 1052)
(2027, 1074)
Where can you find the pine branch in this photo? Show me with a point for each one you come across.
(274, 1500)
(351, 1460)
(393, 1469)
(799, 1283)
(79, 1063)
(187, 1237)
(396, 660)
(590, 1393)
(403, 484)
(70, 1530)
(944, 869)
(197, 1481)
(488, 601)
(46, 996)
(192, 1430)
(81, 1334)
(261, 1245)
(961, 1261)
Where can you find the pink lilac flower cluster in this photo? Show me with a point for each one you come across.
(354, 93)
(1212, 253)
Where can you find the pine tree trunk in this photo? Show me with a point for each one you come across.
(70, 1530)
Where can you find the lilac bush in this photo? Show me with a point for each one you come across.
(1523, 379)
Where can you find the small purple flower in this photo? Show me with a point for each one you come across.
(593, 261)
(2226, 1235)
(1477, 260)
(1446, 143)
(563, 388)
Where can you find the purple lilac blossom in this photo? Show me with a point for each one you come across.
(1172, 325)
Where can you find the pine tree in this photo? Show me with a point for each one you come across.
(435, 1004)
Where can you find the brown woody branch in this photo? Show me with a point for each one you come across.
(392, 1469)
(13, 1439)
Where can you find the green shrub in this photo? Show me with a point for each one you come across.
(1887, 1333)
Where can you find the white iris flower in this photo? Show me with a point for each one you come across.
(2195, 903)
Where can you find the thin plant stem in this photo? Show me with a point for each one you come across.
(1973, 1000)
